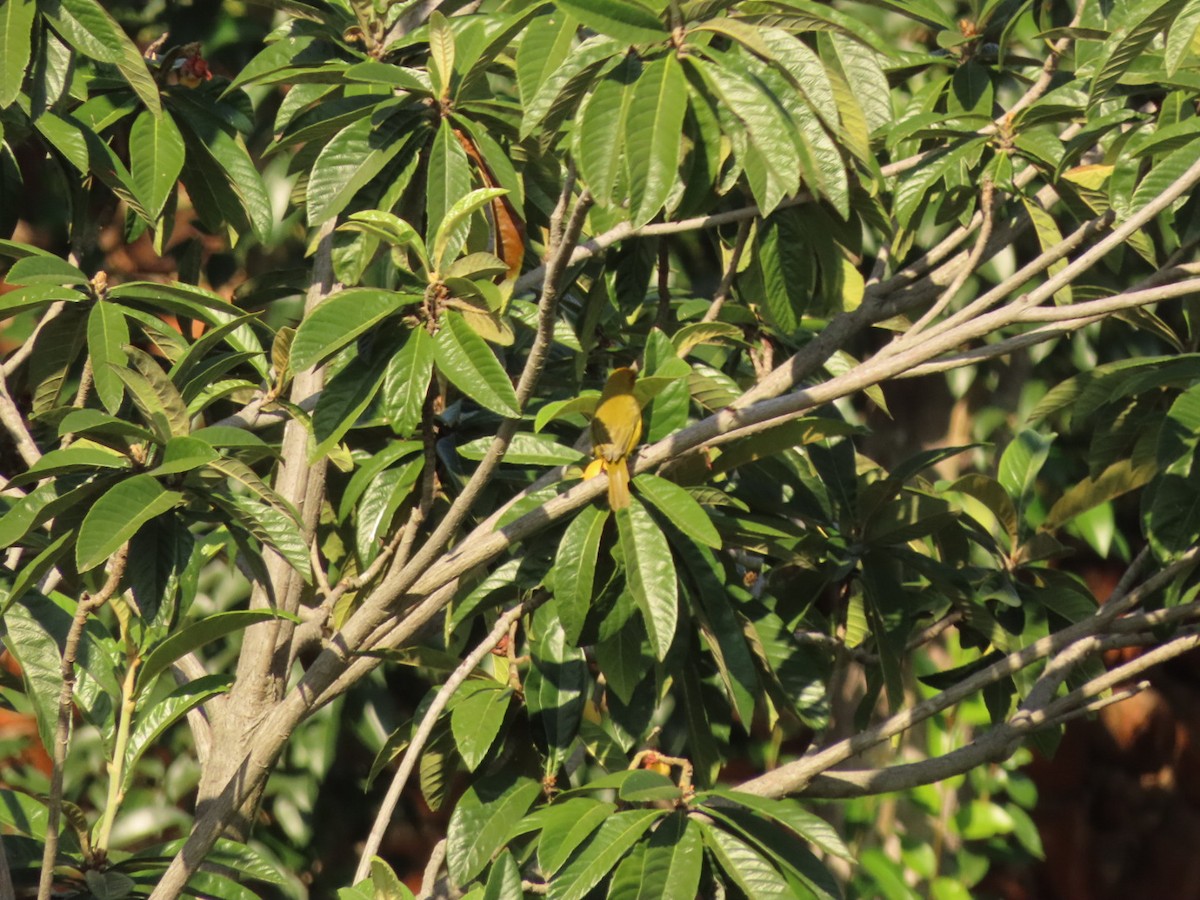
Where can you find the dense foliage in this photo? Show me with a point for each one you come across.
(316, 480)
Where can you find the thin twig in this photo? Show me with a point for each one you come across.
(88, 604)
(424, 730)
(731, 267)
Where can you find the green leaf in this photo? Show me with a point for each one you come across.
(670, 867)
(478, 712)
(183, 454)
(1182, 40)
(227, 155)
(564, 826)
(88, 28)
(32, 644)
(152, 722)
(155, 160)
(525, 449)
(1124, 48)
(554, 687)
(772, 162)
(569, 77)
(599, 137)
(449, 180)
(481, 821)
(679, 507)
(346, 396)
(441, 53)
(388, 227)
(455, 224)
(791, 814)
(650, 574)
(154, 395)
(16, 32)
(341, 318)
(195, 635)
(271, 525)
(602, 851)
(117, 515)
(748, 868)
(108, 334)
(575, 569)
(354, 156)
(625, 20)
(653, 129)
(463, 357)
(406, 382)
(45, 269)
(542, 48)
(1021, 462)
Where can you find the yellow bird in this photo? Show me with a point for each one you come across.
(616, 430)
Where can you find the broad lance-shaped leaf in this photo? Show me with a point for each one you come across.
(16, 32)
(339, 319)
(448, 181)
(107, 333)
(467, 361)
(452, 232)
(650, 574)
(575, 569)
(653, 128)
(475, 718)
(155, 160)
(601, 853)
(354, 156)
(482, 820)
(406, 382)
(151, 723)
(117, 515)
(156, 398)
(554, 687)
(625, 20)
(679, 507)
(195, 635)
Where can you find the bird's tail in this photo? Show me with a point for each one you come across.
(618, 484)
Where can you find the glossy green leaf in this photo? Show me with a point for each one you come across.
(354, 156)
(679, 507)
(669, 869)
(653, 126)
(650, 574)
(599, 139)
(564, 826)
(117, 515)
(1123, 49)
(575, 569)
(504, 880)
(34, 647)
(625, 20)
(156, 154)
(272, 526)
(406, 383)
(455, 224)
(601, 853)
(155, 397)
(525, 449)
(745, 866)
(1021, 462)
(475, 718)
(791, 814)
(555, 687)
(340, 319)
(16, 31)
(195, 635)
(448, 182)
(481, 821)
(582, 63)
(152, 722)
(463, 357)
(108, 334)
